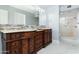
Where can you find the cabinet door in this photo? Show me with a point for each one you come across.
(50, 35)
(25, 46)
(13, 47)
(46, 37)
(31, 45)
(38, 41)
(8, 48)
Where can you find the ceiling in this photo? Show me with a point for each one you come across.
(32, 8)
(45, 6)
(29, 8)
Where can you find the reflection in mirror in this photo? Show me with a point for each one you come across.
(19, 19)
(3, 16)
(21, 15)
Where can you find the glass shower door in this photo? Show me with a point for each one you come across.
(68, 27)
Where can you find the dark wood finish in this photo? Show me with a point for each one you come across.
(30, 44)
(50, 35)
(25, 46)
(13, 47)
(38, 40)
(27, 42)
(47, 38)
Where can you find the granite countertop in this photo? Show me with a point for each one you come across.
(11, 31)
(23, 30)
(15, 28)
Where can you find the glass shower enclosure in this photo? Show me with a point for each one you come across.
(69, 24)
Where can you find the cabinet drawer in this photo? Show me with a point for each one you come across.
(13, 36)
(28, 34)
(17, 35)
(8, 36)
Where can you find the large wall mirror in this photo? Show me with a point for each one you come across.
(19, 19)
(12, 15)
(3, 16)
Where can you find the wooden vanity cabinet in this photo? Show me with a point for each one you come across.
(27, 42)
(47, 38)
(16, 43)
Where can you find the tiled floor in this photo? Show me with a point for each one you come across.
(64, 47)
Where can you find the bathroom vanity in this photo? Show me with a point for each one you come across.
(24, 41)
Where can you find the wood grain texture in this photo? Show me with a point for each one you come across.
(27, 42)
